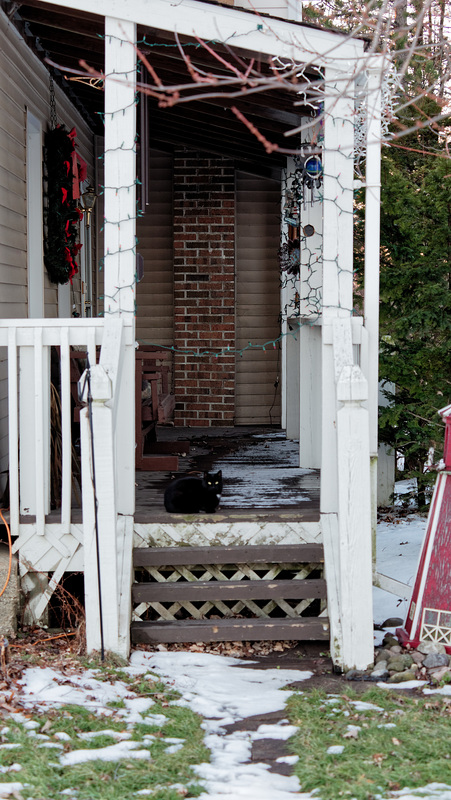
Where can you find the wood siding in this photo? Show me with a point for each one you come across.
(257, 299)
(155, 312)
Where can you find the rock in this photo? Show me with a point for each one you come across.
(434, 660)
(390, 640)
(401, 677)
(356, 675)
(418, 657)
(380, 674)
(382, 655)
(392, 622)
(396, 648)
(441, 673)
(431, 647)
(396, 664)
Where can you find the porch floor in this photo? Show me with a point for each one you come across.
(260, 473)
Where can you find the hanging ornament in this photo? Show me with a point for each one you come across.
(312, 172)
(290, 257)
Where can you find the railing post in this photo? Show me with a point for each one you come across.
(354, 519)
(99, 514)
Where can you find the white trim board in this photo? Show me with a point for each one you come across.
(244, 29)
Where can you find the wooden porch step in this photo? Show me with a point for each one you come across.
(234, 554)
(166, 594)
(202, 591)
(231, 630)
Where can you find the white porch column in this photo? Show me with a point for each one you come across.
(372, 260)
(115, 429)
(120, 230)
(351, 633)
(338, 166)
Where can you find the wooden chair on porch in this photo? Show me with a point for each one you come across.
(154, 404)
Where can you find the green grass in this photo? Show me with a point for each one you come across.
(45, 778)
(416, 752)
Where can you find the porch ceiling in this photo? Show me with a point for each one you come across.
(66, 36)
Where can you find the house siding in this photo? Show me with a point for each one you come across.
(155, 311)
(24, 84)
(258, 377)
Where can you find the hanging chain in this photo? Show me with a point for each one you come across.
(53, 117)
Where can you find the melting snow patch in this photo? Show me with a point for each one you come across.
(222, 692)
(278, 731)
(120, 736)
(287, 760)
(10, 788)
(115, 752)
(216, 688)
(432, 791)
(335, 750)
(359, 705)
(404, 685)
(44, 687)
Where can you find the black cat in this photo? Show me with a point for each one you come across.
(191, 494)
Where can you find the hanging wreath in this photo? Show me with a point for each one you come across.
(61, 214)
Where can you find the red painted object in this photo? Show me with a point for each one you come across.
(429, 614)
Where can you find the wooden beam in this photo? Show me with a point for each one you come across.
(241, 554)
(202, 591)
(231, 630)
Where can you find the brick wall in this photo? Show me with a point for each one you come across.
(204, 288)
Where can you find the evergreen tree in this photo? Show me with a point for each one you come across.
(415, 306)
(415, 298)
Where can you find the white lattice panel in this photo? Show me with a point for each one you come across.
(228, 533)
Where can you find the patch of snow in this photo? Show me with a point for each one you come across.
(52, 746)
(433, 791)
(446, 690)
(277, 731)
(44, 687)
(398, 552)
(120, 736)
(10, 788)
(360, 705)
(223, 692)
(216, 687)
(291, 760)
(173, 748)
(403, 685)
(115, 752)
(62, 736)
(335, 749)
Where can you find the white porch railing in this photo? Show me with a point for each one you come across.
(54, 541)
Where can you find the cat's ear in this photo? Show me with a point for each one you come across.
(219, 474)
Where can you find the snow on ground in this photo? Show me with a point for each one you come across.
(222, 691)
(398, 552)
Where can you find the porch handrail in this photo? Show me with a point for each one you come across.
(28, 343)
